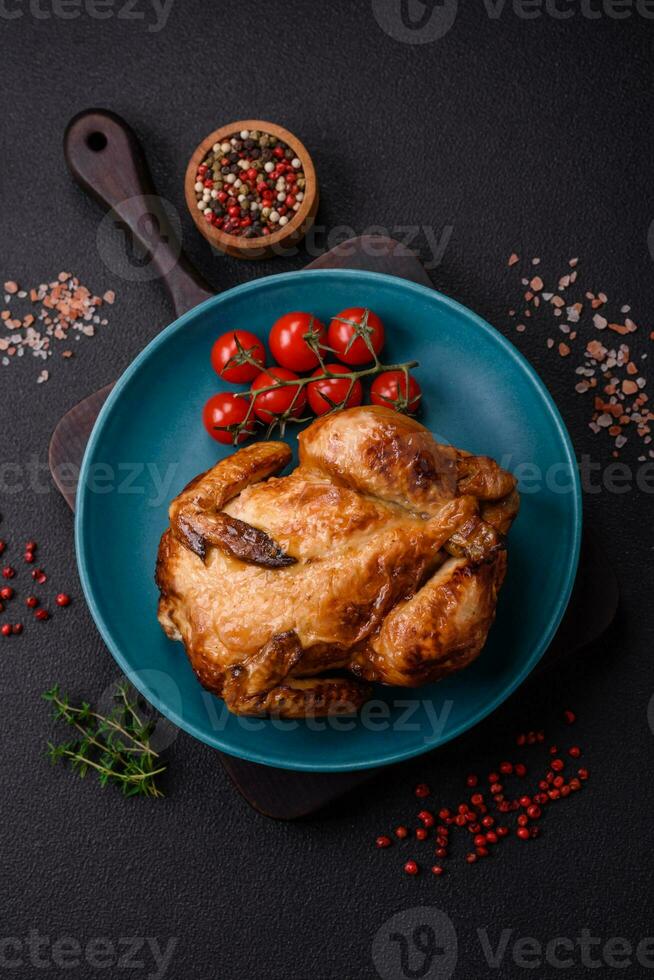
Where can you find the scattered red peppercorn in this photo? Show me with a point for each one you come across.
(575, 751)
(411, 868)
(488, 821)
(523, 820)
(42, 614)
(401, 832)
(493, 777)
(479, 840)
(8, 572)
(533, 812)
(63, 599)
(525, 801)
(421, 833)
(31, 546)
(520, 739)
(476, 799)
(437, 870)
(502, 831)
(31, 602)
(520, 769)
(557, 765)
(17, 628)
(6, 593)
(29, 557)
(506, 768)
(491, 837)
(583, 773)
(39, 575)
(5, 629)
(569, 716)
(471, 858)
(523, 833)
(426, 818)
(383, 841)
(482, 852)
(441, 852)
(422, 789)
(472, 780)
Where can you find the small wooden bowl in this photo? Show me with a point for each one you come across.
(263, 246)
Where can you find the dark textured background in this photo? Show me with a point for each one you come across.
(527, 135)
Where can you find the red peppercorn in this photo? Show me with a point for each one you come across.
(472, 780)
(8, 572)
(502, 831)
(523, 833)
(421, 791)
(491, 837)
(534, 831)
(558, 782)
(479, 840)
(557, 765)
(31, 546)
(442, 831)
(569, 716)
(401, 832)
(427, 818)
(383, 841)
(5, 629)
(476, 799)
(437, 870)
(583, 773)
(493, 777)
(17, 628)
(520, 769)
(496, 788)
(29, 557)
(278, 152)
(441, 852)
(575, 751)
(520, 739)
(460, 821)
(533, 812)
(31, 602)
(42, 614)
(6, 593)
(523, 820)
(421, 833)
(411, 868)
(574, 784)
(442, 840)
(488, 822)
(39, 575)
(471, 858)
(482, 852)
(202, 169)
(554, 794)
(506, 768)
(525, 801)
(444, 814)
(565, 791)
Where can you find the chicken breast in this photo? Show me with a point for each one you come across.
(378, 559)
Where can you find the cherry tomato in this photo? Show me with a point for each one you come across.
(391, 389)
(347, 331)
(288, 340)
(225, 409)
(334, 389)
(273, 403)
(228, 360)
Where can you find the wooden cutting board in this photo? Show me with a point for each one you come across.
(118, 177)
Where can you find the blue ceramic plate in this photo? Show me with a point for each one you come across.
(148, 442)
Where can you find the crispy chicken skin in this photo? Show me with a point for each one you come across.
(379, 558)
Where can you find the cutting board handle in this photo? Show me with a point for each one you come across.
(106, 159)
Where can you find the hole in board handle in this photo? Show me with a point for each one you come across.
(96, 141)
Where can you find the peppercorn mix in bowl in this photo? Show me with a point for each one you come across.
(251, 189)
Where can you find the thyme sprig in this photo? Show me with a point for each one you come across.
(312, 338)
(115, 746)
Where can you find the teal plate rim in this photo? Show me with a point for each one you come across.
(370, 763)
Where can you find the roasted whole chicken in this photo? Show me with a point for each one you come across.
(379, 558)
